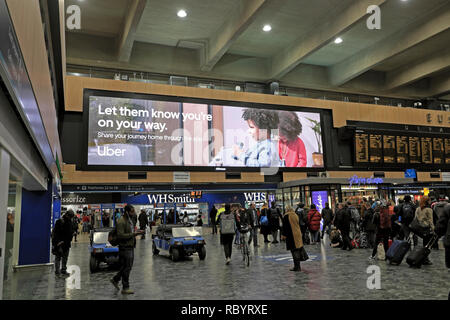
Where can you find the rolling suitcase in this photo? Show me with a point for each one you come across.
(397, 251)
(418, 255)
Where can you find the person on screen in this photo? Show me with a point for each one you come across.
(260, 124)
(291, 148)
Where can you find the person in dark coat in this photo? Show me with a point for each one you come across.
(292, 234)
(443, 229)
(143, 222)
(61, 242)
(274, 221)
(342, 222)
(265, 229)
(212, 219)
(327, 215)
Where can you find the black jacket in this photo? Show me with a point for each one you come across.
(443, 225)
(343, 219)
(245, 219)
(327, 215)
(212, 214)
(274, 218)
(63, 231)
(143, 220)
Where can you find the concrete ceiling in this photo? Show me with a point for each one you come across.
(223, 39)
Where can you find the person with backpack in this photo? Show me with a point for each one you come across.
(254, 232)
(424, 216)
(264, 222)
(274, 221)
(382, 220)
(126, 238)
(327, 215)
(61, 242)
(405, 215)
(314, 218)
(355, 219)
(443, 230)
(227, 224)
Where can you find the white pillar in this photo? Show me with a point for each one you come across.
(4, 187)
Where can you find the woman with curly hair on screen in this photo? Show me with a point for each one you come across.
(291, 148)
(260, 123)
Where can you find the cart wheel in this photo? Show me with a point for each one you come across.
(155, 251)
(202, 253)
(93, 264)
(175, 255)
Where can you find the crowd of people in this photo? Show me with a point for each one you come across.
(374, 225)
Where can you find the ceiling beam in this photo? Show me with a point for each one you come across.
(412, 35)
(233, 27)
(440, 85)
(330, 27)
(426, 67)
(127, 35)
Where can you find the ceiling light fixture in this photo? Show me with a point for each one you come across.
(338, 40)
(267, 28)
(182, 14)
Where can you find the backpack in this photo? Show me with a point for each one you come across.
(112, 237)
(363, 241)
(273, 214)
(385, 219)
(355, 214)
(227, 224)
(408, 213)
(264, 221)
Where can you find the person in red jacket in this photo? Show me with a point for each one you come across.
(314, 218)
(291, 148)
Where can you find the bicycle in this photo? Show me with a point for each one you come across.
(244, 245)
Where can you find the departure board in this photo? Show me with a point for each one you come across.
(362, 147)
(438, 151)
(414, 150)
(389, 149)
(447, 151)
(376, 148)
(402, 149)
(427, 150)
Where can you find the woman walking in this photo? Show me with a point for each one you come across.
(265, 227)
(293, 236)
(227, 223)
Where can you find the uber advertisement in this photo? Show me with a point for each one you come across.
(138, 132)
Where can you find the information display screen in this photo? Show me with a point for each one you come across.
(427, 150)
(143, 132)
(402, 149)
(438, 151)
(362, 147)
(414, 150)
(389, 149)
(376, 149)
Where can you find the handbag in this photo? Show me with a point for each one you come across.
(419, 229)
(303, 254)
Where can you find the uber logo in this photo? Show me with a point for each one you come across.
(74, 281)
(374, 280)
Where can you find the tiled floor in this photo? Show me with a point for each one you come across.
(331, 274)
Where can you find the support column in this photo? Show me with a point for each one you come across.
(4, 187)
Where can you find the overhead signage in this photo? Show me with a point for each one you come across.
(182, 176)
(86, 198)
(255, 196)
(170, 198)
(362, 181)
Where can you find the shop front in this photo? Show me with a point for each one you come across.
(319, 191)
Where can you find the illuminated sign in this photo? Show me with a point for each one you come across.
(170, 198)
(359, 181)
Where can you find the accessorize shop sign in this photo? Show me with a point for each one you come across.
(362, 181)
(85, 198)
(170, 198)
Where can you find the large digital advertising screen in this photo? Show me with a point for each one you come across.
(143, 132)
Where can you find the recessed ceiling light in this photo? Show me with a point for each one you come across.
(182, 14)
(338, 40)
(267, 28)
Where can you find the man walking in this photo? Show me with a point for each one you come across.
(61, 240)
(254, 231)
(127, 243)
(342, 222)
(143, 222)
(212, 219)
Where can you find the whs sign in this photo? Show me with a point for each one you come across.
(255, 196)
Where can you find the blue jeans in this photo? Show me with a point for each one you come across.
(236, 240)
(314, 235)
